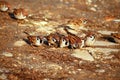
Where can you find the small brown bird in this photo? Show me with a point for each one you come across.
(64, 41)
(74, 41)
(89, 39)
(116, 37)
(53, 39)
(76, 23)
(35, 40)
(20, 13)
(4, 6)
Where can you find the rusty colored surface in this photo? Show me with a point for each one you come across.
(46, 63)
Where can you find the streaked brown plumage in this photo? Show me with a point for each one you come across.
(116, 37)
(35, 40)
(20, 13)
(76, 23)
(4, 6)
(53, 39)
(75, 41)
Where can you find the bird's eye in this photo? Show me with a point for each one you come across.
(66, 43)
(63, 40)
(54, 39)
(84, 21)
(37, 38)
(91, 37)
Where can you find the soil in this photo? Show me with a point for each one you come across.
(20, 61)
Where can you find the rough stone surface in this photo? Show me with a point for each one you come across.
(83, 54)
(7, 54)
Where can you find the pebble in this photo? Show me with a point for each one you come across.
(7, 54)
(46, 79)
(40, 23)
(79, 69)
(93, 9)
(100, 70)
(98, 65)
(3, 77)
(54, 66)
(19, 43)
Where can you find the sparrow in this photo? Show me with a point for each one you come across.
(64, 41)
(89, 39)
(20, 13)
(35, 40)
(116, 37)
(53, 39)
(74, 41)
(4, 6)
(76, 23)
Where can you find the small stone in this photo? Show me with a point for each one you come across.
(15, 65)
(40, 23)
(83, 54)
(79, 69)
(7, 54)
(3, 77)
(19, 43)
(54, 66)
(93, 9)
(97, 65)
(1, 70)
(100, 70)
(33, 58)
(46, 79)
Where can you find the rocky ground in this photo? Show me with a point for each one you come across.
(20, 61)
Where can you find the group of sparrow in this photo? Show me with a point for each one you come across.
(18, 13)
(59, 40)
(55, 39)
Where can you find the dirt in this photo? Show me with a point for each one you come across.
(20, 61)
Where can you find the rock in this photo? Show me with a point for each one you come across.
(83, 54)
(104, 43)
(39, 23)
(3, 77)
(46, 79)
(7, 54)
(19, 43)
(93, 9)
(100, 70)
(54, 66)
